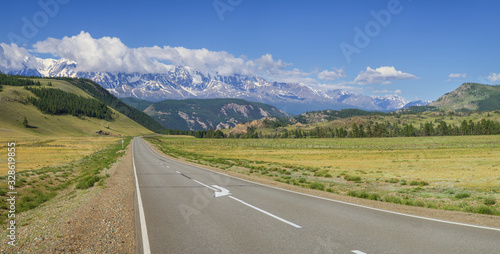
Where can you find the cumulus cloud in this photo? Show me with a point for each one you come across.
(112, 55)
(331, 75)
(457, 75)
(494, 77)
(381, 75)
(14, 58)
(104, 54)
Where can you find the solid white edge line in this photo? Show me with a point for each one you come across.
(267, 213)
(142, 218)
(342, 202)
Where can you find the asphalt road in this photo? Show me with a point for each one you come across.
(187, 209)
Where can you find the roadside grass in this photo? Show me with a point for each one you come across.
(40, 152)
(35, 187)
(449, 173)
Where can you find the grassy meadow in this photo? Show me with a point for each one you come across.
(39, 152)
(454, 173)
(49, 167)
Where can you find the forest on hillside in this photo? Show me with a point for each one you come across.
(101, 94)
(376, 129)
(14, 80)
(58, 102)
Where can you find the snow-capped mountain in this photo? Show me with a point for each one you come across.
(417, 103)
(182, 82)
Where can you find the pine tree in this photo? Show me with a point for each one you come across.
(25, 123)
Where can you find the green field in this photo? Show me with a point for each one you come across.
(454, 173)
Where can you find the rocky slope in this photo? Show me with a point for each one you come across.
(204, 114)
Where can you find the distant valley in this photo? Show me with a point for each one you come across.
(204, 114)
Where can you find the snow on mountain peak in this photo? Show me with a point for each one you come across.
(182, 82)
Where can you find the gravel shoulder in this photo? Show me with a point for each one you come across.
(96, 220)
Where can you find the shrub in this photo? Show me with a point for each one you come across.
(393, 180)
(352, 193)
(413, 183)
(317, 186)
(485, 210)
(392, 199)
(462, 195)
(490, 201)
(374, 196)
(420, 183)
(88, 182)
(355, 179)
(363, 194)
(420, 203)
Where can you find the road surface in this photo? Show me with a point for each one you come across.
(183, 208)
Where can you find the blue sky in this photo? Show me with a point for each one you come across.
(425, 48)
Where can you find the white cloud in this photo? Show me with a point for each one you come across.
(13, 58)
(494, 77)
(331, 75)
(104, 54)
(385, 91)
(381, 75)
(111, 55)
(457, 75)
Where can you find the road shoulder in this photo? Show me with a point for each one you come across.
(95, 220)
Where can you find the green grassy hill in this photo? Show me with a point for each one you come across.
(15, 107)
(98, 92)
(470, 96)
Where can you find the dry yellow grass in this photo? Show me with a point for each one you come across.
(38, 152)
(476, 165)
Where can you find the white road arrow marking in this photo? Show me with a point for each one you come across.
(222, 193)
(357, 252)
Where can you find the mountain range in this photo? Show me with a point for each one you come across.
(183, 82)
